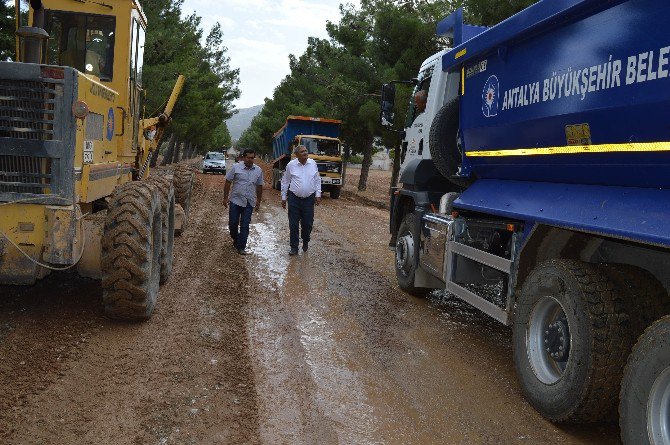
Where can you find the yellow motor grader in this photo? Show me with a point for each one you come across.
(75, 189)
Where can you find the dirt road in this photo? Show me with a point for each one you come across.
(316, 349)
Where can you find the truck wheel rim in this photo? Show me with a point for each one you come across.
(548, 340)
(404, 253)
(658, 410)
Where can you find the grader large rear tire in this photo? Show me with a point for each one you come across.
(131, 252)
(167, 209)
(183, 188)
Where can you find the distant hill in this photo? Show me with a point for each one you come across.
(241, 120)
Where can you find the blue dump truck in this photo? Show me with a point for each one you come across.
(535, 185)
(320, 136)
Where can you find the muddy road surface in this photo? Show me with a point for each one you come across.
(322, 348)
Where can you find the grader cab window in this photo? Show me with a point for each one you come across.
(82, 41)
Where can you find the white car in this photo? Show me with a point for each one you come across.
(214, 162)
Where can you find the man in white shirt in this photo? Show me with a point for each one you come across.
(301, 186)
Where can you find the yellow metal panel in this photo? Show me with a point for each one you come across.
(16, 220)
(11, 217)
(462, 81)
(103, 187)
(601, 148)
(325, 158)
(62, 241)
(85, 176)
(89, 264)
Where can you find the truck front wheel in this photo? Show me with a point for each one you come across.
(569, 337)
(335, 192)
(405, 256)
(645, 390)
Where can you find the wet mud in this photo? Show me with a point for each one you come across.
(322, 348)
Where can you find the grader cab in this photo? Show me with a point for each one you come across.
(75, 189)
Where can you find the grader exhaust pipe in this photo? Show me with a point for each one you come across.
(32, 39)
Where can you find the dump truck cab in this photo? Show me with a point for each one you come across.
(321, 138)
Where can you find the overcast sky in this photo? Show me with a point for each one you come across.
(260, 34)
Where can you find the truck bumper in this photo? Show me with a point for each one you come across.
(329, 180)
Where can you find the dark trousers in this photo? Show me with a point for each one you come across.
(300, 213)
(238, 222)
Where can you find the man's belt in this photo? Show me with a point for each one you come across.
(299, 197)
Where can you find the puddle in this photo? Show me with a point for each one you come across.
(271, 257)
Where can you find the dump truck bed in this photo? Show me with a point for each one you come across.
(571, 91)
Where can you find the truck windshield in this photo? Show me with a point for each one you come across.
(82, 41)
(324, 147)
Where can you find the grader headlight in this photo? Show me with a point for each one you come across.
(80, 109)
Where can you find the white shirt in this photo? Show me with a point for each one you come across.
(301, 179)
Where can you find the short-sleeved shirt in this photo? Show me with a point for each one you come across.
(244, 179)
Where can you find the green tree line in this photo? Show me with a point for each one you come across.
(174, 45)
(340, 77)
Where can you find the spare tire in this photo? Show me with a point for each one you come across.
(445, 146)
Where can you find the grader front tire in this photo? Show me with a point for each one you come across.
(131, 252)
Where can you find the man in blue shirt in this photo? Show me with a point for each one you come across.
(247, 190)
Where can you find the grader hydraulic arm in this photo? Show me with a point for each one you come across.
(153, 128)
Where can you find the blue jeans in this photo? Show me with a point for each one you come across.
(238, 222)
(300, 213)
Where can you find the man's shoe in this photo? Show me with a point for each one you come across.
(304, 246)
(293, 252)
(243, 252)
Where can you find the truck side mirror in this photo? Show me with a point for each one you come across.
(387, 102)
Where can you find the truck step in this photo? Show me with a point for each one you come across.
(504, 265)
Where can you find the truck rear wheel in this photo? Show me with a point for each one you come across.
(645, 297)
(645, 390)
(405, 256)
(167, 209)
(569, 339)
(183, 189)
(131, 252)
(445, 145)
(335, 192)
